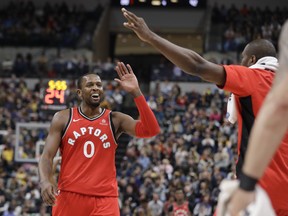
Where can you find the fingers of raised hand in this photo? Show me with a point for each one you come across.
(132, 19)
(129, 69)
(117, 68)
(122, 70)
(129, 15)
(129, 25)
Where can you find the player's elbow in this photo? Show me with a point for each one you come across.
(155, 131)
(151, 132)
(211, 72)
(146, 132)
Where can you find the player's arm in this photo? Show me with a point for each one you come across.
(188, 60)
(47, 182)
(147, 125)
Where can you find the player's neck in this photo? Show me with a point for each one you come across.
(91, 112)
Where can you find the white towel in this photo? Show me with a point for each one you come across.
(265, 63)
(260, 207)
(231, 113)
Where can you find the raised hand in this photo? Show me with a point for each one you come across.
(127, 79)
(137, 24)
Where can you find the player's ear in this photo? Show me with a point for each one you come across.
(79, 93)
(253, 59)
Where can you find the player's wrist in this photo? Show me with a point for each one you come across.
(247, 182)
(137, 93)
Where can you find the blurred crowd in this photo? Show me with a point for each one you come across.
(165, 70)
(61, 66)
(193, 153)
(185, 163)
(53, 25)
(241, 25)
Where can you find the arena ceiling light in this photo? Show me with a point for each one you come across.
(193, 3)
(156, 2)
(124, 2)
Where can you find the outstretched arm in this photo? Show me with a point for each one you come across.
(147, 126)
(268, 131)
(188, 60)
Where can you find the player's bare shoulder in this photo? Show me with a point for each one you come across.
(61, 118)
(118, 118)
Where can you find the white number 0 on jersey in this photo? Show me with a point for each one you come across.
(92, 149)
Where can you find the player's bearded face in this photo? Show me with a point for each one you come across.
(92, 92)
(95, 103)
(94, 97)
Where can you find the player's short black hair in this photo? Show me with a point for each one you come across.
(80, 79)
(261, 48)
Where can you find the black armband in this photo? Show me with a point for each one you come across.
(247, 183)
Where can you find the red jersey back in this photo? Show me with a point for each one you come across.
(250, 87)
(180, 210)
(88, 155)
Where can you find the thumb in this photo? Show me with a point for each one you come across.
(118, 80)
(55, 190)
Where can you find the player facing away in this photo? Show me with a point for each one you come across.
(271, 126)
(249, 83)
(87, 138)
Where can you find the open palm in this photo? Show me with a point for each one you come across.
(127, 78)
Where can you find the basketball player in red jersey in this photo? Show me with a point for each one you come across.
(180, 206)
(250, 84)
(86, 136)
(269, 128)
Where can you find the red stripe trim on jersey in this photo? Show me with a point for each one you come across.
(88, 118)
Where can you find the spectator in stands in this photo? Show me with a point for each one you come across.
(142, 209)
(155, 206)
(204, 207)
(180, 205)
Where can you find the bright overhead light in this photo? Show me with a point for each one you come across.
(124, 2)
(156, 2)
(174, 1)
(193, 3)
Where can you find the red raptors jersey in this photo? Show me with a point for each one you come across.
(250, 87)
(88, 155)
(180, 210)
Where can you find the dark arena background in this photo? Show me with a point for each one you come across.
(46, 46)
